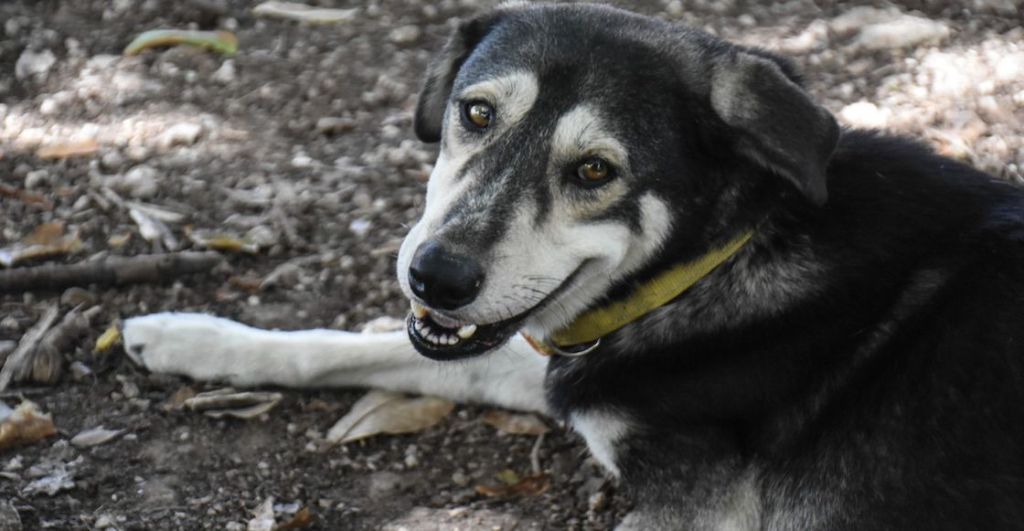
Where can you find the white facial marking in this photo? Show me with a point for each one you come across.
(602, 430)
(512, 96)
(580, 133)
(615, 252)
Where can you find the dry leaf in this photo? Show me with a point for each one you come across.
(107, 340)
(25, 196)
(223, 42)
(60, 477)
(508, 477)
(227, 402)
(263, 519)
(152, 229)
(527, 486)
(177, 400)
(119, 240)
(45, 240)
(380, 412)
(305, 13)
(16, 362)
(303, 518)
(516, 423)
(25, 425)
(46, 364)
(95, 436)
(157, 212)
(246, 283)
(68, 149)
(223, 242)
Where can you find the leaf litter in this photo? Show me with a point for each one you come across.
(384, 412)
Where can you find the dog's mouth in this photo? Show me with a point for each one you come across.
(439, 337)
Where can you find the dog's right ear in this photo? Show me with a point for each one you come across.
(778, 125)
(441, 75)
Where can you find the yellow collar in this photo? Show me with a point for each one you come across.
(581, 335)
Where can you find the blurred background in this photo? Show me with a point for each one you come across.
(294, 157)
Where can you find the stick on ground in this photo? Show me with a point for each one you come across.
(109, 271)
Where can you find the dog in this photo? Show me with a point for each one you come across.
(755, 319)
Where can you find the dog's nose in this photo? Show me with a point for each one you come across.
(443, 279)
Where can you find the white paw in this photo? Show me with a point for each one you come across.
(199, 346)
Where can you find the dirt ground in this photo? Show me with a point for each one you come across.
(302, 144)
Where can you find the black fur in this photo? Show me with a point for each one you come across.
(888, 393)
(897, 391)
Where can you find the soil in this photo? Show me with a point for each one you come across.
(302, 143)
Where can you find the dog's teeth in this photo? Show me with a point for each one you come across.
(467, 331)
(418, 310)
(450, 340)
(419, 326)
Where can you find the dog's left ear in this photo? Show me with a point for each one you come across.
(442, 71)
(779, 126)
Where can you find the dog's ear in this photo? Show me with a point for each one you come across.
(779, 126)
(441, 74)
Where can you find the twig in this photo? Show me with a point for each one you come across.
(46, 364)
(109, 271)
(291, 234)
(535, 456)
(27, 345)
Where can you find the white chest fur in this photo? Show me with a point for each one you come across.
(602, 430)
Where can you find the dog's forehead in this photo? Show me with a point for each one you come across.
(585, 47)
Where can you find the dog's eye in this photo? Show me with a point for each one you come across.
(478, 114)
(594, 171)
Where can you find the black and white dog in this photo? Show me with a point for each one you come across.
(755, 319)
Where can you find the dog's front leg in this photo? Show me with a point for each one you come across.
(206, 348)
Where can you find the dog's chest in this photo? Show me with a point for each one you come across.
(602, 430)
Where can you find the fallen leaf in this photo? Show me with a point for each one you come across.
(95, 437)
(305, 13)
(46, 364)
(107, 340)
(222, 42)
(248, 284)
(508, 477)
(45, 240)
(157, 212)
(152, 229)
(302, 518)
(527, 486)
(25, 425)
(263, 517)
(380, 412)
(227, 402)
(119, 240)
(516, 423)
(61, 477)
(25, 196)
(223, 242)
(45, 234)
(16, 362)
(177, 400)
(67, 150)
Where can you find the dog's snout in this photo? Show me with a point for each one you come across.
(443, 279)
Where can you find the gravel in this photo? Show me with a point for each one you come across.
(302, 144)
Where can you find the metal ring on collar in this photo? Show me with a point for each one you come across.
(574, 351)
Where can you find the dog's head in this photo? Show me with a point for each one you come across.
(583, 149)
